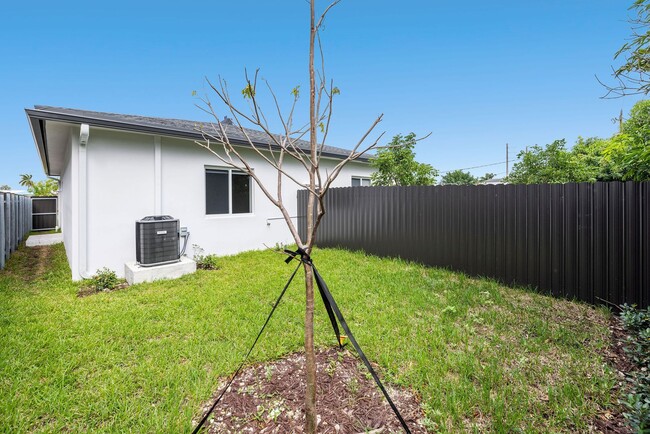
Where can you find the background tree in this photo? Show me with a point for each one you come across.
(458, 177)
(629, 151)
(633, 76)
(26, 180)
(622, 157)
(395, 164)
(550, 164)
(5, 187)
(486, 177)
(280, 148)
(47, 187)
(592, 157)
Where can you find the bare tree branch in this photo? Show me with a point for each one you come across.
(327, 9)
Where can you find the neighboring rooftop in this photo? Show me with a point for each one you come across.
(162, 126)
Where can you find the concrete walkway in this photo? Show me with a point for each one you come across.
(44, 240)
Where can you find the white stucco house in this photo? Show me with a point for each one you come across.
(125, 167)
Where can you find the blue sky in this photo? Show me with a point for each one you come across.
(475, 74)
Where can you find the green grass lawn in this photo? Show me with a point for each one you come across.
(483, 357)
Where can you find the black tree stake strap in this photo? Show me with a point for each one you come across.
(223, 391)
(333, 312)
(333, 309)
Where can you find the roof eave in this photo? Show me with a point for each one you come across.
(36, 126)
(46, 115)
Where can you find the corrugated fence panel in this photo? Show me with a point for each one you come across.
(15, 224)
(585, 241)
(2, 231)
(645, 245)
(544, 239)
(600, 242)
(615, 288)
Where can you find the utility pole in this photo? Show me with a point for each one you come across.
(506, 160)
(620, 122)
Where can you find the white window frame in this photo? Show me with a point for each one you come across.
(230, 171)
(361, 180)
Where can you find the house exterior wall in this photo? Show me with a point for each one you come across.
(67, 199)
(120, 190)
(131, 175)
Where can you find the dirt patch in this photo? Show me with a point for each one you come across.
(86, 291)
(268, 398)
(612, 420)
(30, 263)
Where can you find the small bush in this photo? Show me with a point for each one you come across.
(279, 247)
(637, 403)
(104, 279)
(204, 262)
(635, 319)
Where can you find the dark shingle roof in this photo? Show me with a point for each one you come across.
(165, 126)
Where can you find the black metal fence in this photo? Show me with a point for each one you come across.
(44, 213)
(585, 241)
(15, 223)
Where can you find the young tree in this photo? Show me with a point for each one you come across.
(396, 164)
(633, 76)
(284, 147)
(458, 177)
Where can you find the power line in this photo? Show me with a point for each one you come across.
(475, 167)
(483, 165)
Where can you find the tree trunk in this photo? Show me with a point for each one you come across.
(310, 358)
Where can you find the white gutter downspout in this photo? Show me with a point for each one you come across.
(84, 134)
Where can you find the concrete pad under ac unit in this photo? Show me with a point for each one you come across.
(134, 273)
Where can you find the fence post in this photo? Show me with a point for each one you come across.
(2, 231)
(22, 218)
(21, 214)
(25, 216)
(15, 219)
(30, 219)
(15, 223)
(7, 225)
(10, 218)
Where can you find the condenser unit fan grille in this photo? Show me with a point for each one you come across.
(157, 240)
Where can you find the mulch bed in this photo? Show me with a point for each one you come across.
(612, 420)
(269, 398)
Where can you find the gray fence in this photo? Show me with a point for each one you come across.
(44, 213)
(15, 223)
(585, 241)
